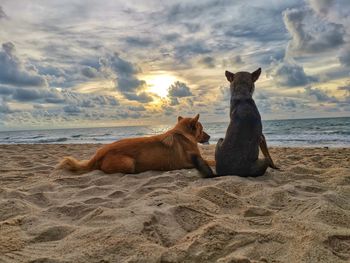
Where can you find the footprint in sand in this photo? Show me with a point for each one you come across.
(12, 208)
(73, 211)
(53, 233)
(339, 245)
(153, 232)
(80, 182)
(258, 216)
(190, 218)
(219, 197)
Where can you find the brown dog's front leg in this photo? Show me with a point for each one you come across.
(202, 166)
(211, 162)
(265, 151)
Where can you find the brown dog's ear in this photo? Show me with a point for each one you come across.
(256, 74)
(179, 118)
(229, 75)
(196, 118)
(194, 121)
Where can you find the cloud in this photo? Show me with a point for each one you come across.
(290, 74)
(89, 72)
(321, 6)
(72, 109)
(344, 56)
(2, 13)
(140, 97)
(126, 78)
(137, 108)
(138, 42)
(319, 95)
(6, 90)
(309, 33)
(4, 108)
(208, 62)
(174, 101)
(179, 89)
(191, 48)
(14, 72)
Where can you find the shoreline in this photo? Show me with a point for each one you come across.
(200, 145)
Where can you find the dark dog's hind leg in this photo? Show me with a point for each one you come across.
(218, 144)
(265, 151)
(259, 167)
(202, 166)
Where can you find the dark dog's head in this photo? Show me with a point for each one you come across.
(242, 83)
(193, 127)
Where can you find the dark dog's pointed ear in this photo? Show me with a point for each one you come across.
(229, 75)
(256, 74)
(179, 118)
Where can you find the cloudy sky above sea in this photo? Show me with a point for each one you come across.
(104, 63)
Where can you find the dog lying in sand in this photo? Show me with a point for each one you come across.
(172, 150)
(238, 153)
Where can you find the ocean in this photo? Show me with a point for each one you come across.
(331, 132)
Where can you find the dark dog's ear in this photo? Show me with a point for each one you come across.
(179, 118)
(256, 74)
(229, 75)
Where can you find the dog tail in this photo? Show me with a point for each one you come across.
(74, 165)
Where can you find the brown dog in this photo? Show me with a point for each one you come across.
(175, 149)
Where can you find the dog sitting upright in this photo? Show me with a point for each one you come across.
(238, 153)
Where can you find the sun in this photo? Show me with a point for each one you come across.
(159, 84)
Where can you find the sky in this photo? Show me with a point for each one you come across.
(92, 63)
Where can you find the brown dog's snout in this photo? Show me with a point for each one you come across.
(204, 138)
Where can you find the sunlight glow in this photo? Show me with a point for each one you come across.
(159, 84)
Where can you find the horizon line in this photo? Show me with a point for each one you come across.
(116, 126)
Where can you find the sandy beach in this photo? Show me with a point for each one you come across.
(298, 214)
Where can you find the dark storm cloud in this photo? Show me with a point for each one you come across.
(290, 74)
(179, 89)
(14, 72)
(309, 36)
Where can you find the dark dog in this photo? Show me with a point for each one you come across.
(238, 153)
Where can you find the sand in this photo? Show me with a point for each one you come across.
(298, 214)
